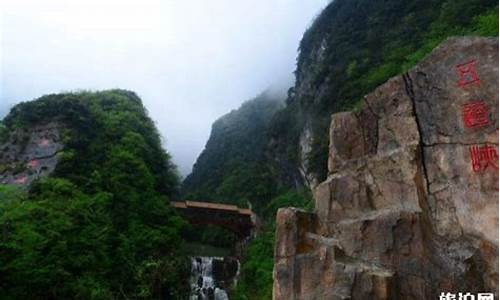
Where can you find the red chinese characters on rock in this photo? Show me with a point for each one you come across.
(475, 114)
(467, 74)
(483, 157)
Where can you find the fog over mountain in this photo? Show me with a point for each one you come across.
(190, 61)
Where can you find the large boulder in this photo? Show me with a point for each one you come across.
(410, 207)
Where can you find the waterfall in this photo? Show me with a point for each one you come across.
(203, 284)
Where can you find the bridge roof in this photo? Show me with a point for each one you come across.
(211, 206)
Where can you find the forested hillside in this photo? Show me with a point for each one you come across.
(100, 227)
(233, 166)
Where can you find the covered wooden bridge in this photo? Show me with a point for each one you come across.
(241, 221)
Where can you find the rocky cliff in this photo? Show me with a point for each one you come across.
(352, 47)
(410, 206)
(29, 153)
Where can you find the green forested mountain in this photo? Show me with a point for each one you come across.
(233, 167)
(100, 227)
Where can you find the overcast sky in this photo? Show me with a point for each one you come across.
(189, 61)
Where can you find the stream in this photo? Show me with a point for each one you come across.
(211, 277)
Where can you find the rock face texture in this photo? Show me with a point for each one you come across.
(410, 206)
(30, 153)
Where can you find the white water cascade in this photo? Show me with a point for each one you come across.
(203, 285)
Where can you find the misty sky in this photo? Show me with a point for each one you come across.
(189, 61)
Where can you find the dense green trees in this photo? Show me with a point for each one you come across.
(101, 226)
